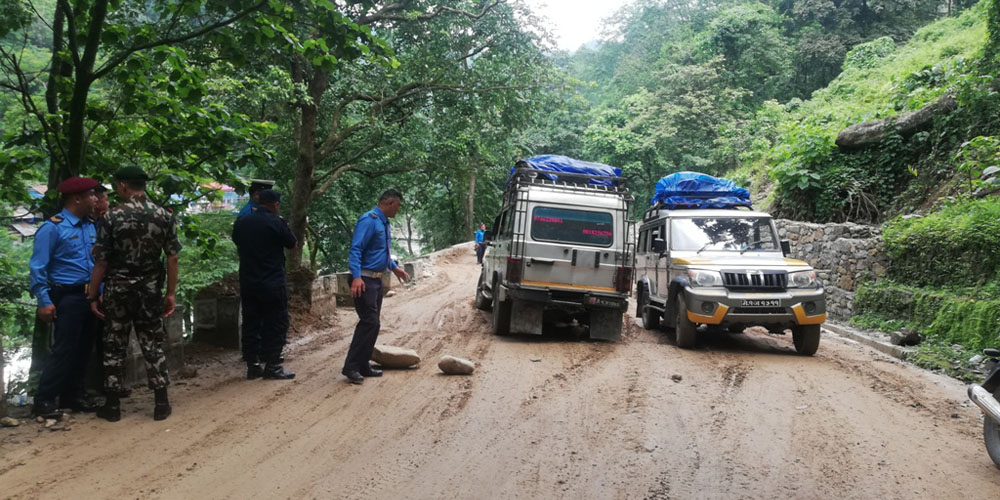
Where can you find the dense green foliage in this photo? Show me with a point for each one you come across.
(957, 244)
(956, 322)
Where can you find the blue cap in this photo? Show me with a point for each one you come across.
(268, 196)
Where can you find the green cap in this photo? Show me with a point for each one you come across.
(131, 174)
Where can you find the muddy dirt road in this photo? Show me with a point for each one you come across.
(540, 418)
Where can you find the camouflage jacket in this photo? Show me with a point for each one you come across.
(132, 239)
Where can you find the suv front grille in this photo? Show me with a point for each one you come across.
(755, 280)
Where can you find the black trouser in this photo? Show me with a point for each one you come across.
(66, 367)
(480, 250)
(265, 323)
(368, 307)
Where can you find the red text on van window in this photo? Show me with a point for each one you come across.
(548, 219)
(595, 232)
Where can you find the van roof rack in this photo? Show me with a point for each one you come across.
(527, 175)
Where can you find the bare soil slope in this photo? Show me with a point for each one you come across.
(549, 417)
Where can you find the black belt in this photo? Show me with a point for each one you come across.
(74, 288)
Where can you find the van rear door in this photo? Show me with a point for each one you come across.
(572, 247)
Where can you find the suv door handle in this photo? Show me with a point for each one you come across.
(536, 260)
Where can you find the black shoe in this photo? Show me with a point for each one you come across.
(80, 405)
(46, 409)
(111, 411)
(353, 376)
(162, 409)
(277, 372)
(371, 372)
(254, 371)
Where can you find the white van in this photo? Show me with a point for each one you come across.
(560, 247)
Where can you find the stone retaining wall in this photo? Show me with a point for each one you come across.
(842, 254)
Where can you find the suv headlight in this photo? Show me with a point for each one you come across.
(702, 277)
(803, 279)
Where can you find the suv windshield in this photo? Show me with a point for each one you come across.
(736, 234)
(565, 225)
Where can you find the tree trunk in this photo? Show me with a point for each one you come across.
(40, 345)
(3, 388)
(470, 205)
(409, 233)
(865, 134)
(305, 162)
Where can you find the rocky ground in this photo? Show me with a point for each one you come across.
(741, 416)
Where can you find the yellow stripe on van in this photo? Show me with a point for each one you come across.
(796, 262)
(565, 285)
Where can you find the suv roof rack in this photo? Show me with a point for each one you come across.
(529, 176)
(654, 211)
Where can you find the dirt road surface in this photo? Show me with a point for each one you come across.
(549, 417)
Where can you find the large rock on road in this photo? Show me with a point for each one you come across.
(395, 357)
(451, 365)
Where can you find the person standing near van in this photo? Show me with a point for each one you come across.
(480, 243)
(369, 259)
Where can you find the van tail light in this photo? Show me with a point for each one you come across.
(623, 280)
(514, 270)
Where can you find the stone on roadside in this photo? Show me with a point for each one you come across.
(451, 365)
(390, 293)
(394, 357)
(905, 337)
(49, 422)
(676, 377)
(9, 422)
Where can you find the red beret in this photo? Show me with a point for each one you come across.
(75, 185)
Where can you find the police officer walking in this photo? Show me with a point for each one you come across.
(369, 259)
(130, 244)
(261, 239)
(60, 269)
(256, 186)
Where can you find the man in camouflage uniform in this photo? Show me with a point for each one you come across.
(130, 245)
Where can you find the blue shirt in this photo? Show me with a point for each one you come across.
(249, 208)
(370, 245)
(61, 254)
(480, 235)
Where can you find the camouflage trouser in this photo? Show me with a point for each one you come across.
(139, 306)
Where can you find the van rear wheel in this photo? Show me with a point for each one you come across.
(501, 313)
(685, 333)
(481, 303)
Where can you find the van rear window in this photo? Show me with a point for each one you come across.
(565, 225)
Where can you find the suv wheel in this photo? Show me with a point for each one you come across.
(806, 339)
(501, 313)
(481, 303)
(650, 316)
(685, 333)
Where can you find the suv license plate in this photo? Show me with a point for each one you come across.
(761, 303)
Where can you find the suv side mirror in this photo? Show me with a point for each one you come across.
(786, 248)
(659, 245)
(488, 236)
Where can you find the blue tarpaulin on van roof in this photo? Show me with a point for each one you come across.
(697, 190)
(565, 164)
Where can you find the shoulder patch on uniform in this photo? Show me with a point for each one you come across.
(56, 219)
(372, 215)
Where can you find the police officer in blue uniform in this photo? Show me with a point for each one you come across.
(256, 186)
(261, 239)
(60, 269)
(368, 260)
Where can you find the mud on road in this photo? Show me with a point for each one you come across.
(550, 417)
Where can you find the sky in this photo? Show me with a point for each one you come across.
(575, 22)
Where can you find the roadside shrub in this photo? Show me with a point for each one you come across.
(958, 244)
(968, 317)
(870, 54)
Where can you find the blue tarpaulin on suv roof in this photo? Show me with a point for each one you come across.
(696, 190)
(565, 164)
